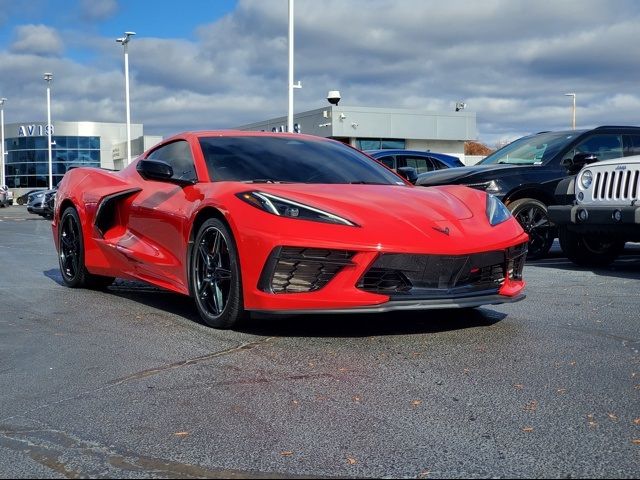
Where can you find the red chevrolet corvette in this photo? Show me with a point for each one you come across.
(284, 223)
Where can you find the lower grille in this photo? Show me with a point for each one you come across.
(296, 270)
(443, 276)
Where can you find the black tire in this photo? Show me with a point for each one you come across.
(20, 201)
(71, 254)
(533, 217)
(589, 250)
(214, 278)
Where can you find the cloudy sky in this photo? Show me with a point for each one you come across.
(197, 64)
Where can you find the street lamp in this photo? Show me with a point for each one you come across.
(2, 154)
(48, 77)
(291, 84)
(573, 122)
(460, 106)
(125, 42)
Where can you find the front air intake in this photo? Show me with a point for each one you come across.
(299, 269)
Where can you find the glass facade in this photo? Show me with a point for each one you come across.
(27, 160)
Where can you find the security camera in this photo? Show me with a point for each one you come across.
(333, 97)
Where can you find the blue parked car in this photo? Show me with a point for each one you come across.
(421, 161)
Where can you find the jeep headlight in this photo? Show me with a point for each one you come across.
(586, 178)
(496, 211)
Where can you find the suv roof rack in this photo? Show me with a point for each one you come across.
(607, 127)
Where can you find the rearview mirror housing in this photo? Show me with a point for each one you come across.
(575, 164)
(155, 170)
(408, 173)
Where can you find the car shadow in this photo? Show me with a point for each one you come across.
(370, 324)
(626, 265)
(55, 275)
(311, 325)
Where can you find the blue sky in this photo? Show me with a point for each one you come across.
(220, 63)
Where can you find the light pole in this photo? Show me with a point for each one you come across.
(2, 155)
(48, 77)
(573, 121)
(125, 42)
(291, 84)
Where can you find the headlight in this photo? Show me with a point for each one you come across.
(496, 211)
(288, 208)
(586, 179)
(491, 186)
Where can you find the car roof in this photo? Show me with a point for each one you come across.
(241, 133)
(400, 151)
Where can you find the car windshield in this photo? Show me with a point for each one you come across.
(532, 150)
(289, 159)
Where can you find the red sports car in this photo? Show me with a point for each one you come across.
(284, 223)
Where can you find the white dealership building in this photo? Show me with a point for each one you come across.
(371, 128)
(98, 144)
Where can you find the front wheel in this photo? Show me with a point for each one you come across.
(71, 254)
(215, 275)
(534, 219)
(589, 250)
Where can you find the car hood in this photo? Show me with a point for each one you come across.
(462, 174)
(375, 201)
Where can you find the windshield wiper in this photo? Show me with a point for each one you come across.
(264, 180)
(363, 182)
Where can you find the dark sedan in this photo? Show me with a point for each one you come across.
(525, 173)
(421, 161)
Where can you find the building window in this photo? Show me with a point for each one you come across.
(27, 161)
(380, 143)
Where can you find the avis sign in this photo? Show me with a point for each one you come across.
(34, 130)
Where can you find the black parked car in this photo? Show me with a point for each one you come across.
(525, 173)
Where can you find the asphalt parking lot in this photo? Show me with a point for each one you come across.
(127, 383)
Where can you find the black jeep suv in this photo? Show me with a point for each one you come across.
(525, 173)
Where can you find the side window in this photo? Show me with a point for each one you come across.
(388, 161)
(634, 145)
(437, 164)
(178, 155)
(603, 146)
(421, 164)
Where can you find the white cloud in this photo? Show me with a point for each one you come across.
(37, 40)
(510, 61)
(95, 10)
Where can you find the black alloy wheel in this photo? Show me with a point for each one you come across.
(215, 275)
(70, 247)
(71, 254)
(533, 217)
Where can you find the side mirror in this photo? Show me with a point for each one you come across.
(408, 173)
(575, 164)
(155, 170)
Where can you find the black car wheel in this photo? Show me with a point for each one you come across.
(589, 250)
(215, 275)
(534, 219)
(71, 254)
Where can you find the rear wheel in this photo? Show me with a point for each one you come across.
(589, 250)
(71, 254)
(215, 275)
(534, 219)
